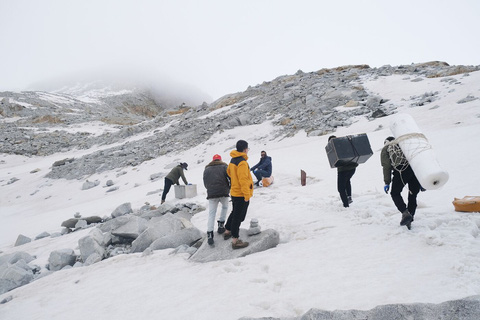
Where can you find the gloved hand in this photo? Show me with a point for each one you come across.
(422, 189)
(386, 188)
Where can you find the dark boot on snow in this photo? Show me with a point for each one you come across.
(406, 218)
(221, 227)
(210, 237)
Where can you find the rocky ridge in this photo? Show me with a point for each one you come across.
(303, 101)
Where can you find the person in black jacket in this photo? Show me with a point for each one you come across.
(344, 186)
(263, 169)
(217, 183)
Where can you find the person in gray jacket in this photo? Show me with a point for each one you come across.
(172, 178)
(217, 183)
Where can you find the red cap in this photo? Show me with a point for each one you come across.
(217, 157)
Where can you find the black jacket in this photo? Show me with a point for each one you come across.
(216, 180)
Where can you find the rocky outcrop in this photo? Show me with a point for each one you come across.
(303, 101)
(462, 309)
(223, 249)
(15, 271)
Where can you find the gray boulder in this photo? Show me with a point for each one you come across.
(12, 258)
(93, 258)
(13, 276)
(81, 224)
(98, 236)
(61, 258)
(121, 210)
(21, 239)
(158, 227)
(42, 235)
(185, 236)
(88, 246)
(90, 184)
(223, 249)
(132, 228)
(113, 224)
(163, 209)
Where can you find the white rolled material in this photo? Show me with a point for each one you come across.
(418, 152)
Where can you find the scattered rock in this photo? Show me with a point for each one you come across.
(60, 258)
(121, 210)
(89, 184)
(21, 239)
(223, 249)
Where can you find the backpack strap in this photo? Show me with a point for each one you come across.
(236, 161)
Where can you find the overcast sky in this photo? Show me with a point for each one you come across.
(223, 46)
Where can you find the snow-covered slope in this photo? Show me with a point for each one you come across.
(329, 257)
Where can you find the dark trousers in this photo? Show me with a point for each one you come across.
(166, 188)
(400, 179)
(344, 186)
(259, 173)
(237, 215)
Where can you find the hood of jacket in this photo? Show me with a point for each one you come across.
(235, 154)
(215, 163)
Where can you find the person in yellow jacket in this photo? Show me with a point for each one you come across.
(241, 190)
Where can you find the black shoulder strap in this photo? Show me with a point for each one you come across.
(236, 161)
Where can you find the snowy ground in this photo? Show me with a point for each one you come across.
(329, 257)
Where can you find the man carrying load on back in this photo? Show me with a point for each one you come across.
(393, 160)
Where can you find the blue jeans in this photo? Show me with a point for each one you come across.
(212, 211)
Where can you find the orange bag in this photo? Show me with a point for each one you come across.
(467, 204)
(267, 181)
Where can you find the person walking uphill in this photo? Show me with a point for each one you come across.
(344, 175)
(217, 183)
(241, 191)
(393, 160)
(263, 168)
(172, 178)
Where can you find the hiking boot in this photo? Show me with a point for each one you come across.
(349, 199)
(221, 227)
(227, 236)
(210, 237)
(406, 218)
(163, 201)
(239, 244)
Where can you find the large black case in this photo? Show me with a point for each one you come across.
(344, 150)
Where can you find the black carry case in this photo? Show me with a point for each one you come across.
(344, 150)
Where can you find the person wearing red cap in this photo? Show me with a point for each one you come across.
(217, 183)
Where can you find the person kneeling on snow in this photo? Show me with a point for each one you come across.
(263, 169)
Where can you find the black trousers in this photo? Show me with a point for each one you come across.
(237, 216)
(400, 179)
(344, 186)
(166, 188)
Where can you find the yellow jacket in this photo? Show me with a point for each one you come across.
(239, 172)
